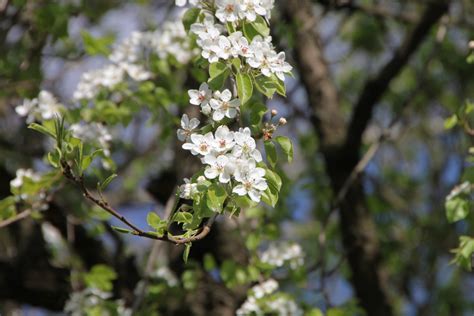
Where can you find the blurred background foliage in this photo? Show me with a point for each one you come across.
(420, 158)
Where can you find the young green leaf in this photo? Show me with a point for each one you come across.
(457, 208)
(286, 146)
(271, 153)
(215, 198)
(122, 230)
(107, 181)
(186, 251)
(183, 217)
(244, 87)
(190, 17)
(42, 129)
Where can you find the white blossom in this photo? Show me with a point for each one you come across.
(188, 189)
(264, 300)
(249, 9)
(228, 10)
(240, 44)
(21, 174)
(94, 133)
(35, 201)
(44, 107)
(200, 97)
(281, 253)
(245, 145)
(219, 166)
(188, 127)
(223, 106)
(166, 274)
(200, 144)
(182, 3)
(224, 139)
(93, 81)
(252, 181)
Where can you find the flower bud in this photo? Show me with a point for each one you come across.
(274, 112)
(282, 121)
(471, 44)
(201, 179)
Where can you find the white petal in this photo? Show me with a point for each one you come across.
(240, 190)
(211, 173)
(255, 195)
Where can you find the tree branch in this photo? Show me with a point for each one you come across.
(378, 85)
(204, 230)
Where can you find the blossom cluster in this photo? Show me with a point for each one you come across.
(93, 133)
(258, 54)
(35, 201)
(130, 59)
(44, 107)
(281, 253)
(97, 300)
(230, 157)
(233, 10)
(217, 104)
(264, 300)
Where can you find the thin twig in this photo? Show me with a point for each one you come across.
(16, 218)
(103, 204)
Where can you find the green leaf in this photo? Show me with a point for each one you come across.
(286, 146)
(257, 111)
(42, 129)
(186, 251)
(265, 85)
(217, 82)
(244, 87)
(257, 27)
(216, 69)
(261, 26)
(54, 158)
(273, 178)
(107, 181)
(463, 254)
(153, 219)
(190, 17)
(97, 45)
(451, 121)
(314, 312)
(209, 262)
(100, 277)
(183, 217)
(122, 230)
(87, 159)
(7, 207)
(271, 153)
(215, 198)
(457, 208)
(271, 194)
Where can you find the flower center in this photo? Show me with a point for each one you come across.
(203, 147)
(229, 8)
(248, 185)
(222, 143)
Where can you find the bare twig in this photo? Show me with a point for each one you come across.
(17, 217)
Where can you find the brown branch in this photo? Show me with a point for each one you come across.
(204, 230)
(17, 217)
(378, 85)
